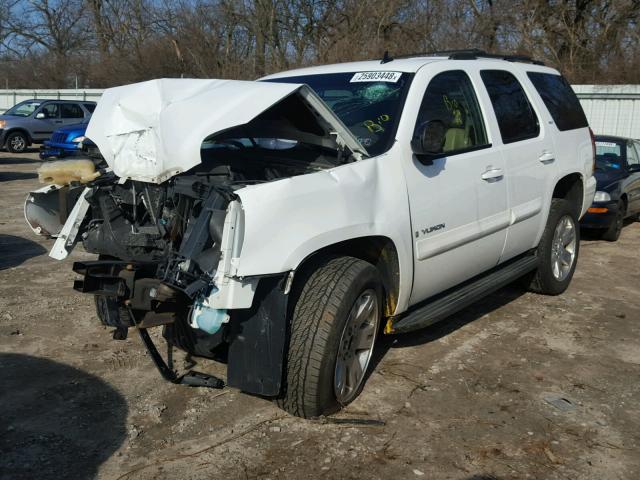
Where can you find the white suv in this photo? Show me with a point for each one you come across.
(280, 225)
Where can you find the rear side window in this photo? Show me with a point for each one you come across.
(561, 101)
(90, 107)
(71, 110)
(516, 118)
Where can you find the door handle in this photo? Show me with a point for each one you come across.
(547, 157)
(57, 121)
(492, 174)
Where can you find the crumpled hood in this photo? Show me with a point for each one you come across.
(153, 130)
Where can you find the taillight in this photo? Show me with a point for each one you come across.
(593, 147)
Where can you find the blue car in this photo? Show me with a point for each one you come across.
(618, 188)
(64, 142)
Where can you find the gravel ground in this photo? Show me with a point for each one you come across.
(518, 386)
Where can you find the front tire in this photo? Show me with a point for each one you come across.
(558, 250)
(612, 234)
(334, 324)
(17, 142)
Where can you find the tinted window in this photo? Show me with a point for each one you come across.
(50, 110)
(450, 99)
(90, 107)
(71, 110)
(516, 118)
(562, 103)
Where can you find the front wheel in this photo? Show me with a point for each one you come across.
(558, 250)
(17, 142)
(612, 234)
(334, 324)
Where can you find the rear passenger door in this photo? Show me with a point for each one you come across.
(528, 151)
(71, 113)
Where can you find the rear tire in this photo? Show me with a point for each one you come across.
(337, 310)
(612, 233)
(17, 142)
(558, 250)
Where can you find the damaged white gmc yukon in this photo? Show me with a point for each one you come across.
(278, 226)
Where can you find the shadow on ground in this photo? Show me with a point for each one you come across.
(16, 250)
(57, 421)
(19, 160)
(446, 326)
(10, 176)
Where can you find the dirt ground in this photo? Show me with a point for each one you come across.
(476, 397)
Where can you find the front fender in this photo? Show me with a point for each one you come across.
(290, 219)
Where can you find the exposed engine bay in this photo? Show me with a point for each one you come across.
(160, 246)
(168, 231)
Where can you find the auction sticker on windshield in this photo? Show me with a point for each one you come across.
(606, 144)
(392, 77)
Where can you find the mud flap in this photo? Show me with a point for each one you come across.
(257, 340)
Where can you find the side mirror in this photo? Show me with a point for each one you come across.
(635, 168)
(40, 115)
(429, 138)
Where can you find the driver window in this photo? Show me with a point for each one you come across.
(632, 155)
(50, 110)
(451, 99)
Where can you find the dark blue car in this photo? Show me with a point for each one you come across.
(618, 189)
(64, 142)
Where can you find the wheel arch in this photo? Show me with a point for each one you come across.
(378, 250)
(571, 188)
(625, 200)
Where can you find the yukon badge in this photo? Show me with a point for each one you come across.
(426, 231)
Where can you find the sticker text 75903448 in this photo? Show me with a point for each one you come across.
(392, 77)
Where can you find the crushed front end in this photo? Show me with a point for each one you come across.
(166, 223)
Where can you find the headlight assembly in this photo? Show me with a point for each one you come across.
(602, 197)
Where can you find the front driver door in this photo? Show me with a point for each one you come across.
(44, 127)
(458, 203)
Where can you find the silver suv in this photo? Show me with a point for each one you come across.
(33, 121)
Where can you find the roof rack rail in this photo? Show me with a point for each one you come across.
(467, 54)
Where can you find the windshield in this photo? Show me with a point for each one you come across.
(368, 103)
(608, 156)
(23, 109)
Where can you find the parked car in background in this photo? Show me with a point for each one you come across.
(64, 142)
(33, 121)
(618, 189)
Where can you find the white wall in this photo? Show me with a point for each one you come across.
(8, 98)
(611, 109)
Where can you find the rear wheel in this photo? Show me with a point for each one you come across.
(334, 324)
(558, 250)
(17, 142)
(612, 233)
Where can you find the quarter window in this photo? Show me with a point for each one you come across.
(451, 99)
(516, 118)
(71, 110)
(560, 100)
